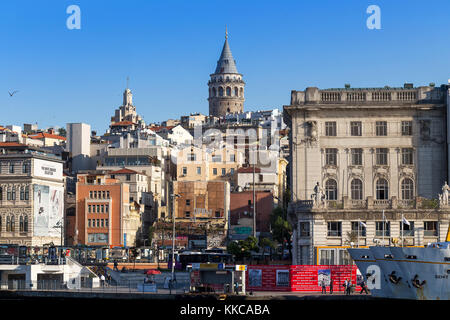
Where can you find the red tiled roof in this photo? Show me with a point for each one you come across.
(248, 170)
(41, 135)
(122, 123)
(12, 144)
(160, 128)
(124, 170)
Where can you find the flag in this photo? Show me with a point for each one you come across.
(405, 221)
(362, 224)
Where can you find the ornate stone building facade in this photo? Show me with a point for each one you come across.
(226, 87)
(362, 154)
(31, 196)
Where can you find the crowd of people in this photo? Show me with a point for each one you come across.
(348, 286)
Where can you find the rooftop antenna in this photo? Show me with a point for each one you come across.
(226, 32)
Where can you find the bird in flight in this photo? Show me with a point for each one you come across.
(11, 94)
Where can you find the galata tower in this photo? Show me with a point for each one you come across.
(226, 87)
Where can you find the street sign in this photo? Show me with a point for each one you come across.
(241, 267)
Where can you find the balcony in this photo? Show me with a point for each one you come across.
(368, 203)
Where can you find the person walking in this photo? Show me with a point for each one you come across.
(324, 288)
(345, 286)
(363, 287)
(102, 280)
(349, 287)
(331, 285)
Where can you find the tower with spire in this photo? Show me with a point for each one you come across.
(226, 87)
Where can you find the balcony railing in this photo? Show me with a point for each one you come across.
(384, 204)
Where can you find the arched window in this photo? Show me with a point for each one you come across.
(12, 224)
(236, 92)
(22, 193)
(331, 189)
(241, 92)
(356, 187)
(27, 193)
(407, 189)
(228, 91)
(220, 92)
(13, 193)
(21, 224)
(25, 224)
(8, 223)
(382, 189)
(213, 92)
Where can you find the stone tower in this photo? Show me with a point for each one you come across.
(226, 87)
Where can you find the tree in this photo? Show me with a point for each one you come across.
(62, 132)
(242, 248)
(281, 228)
(264, 243)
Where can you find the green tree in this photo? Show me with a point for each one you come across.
(62, 132)
(242, 248)
(281, 228)
(264, 243)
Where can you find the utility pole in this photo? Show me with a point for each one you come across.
(174, 196)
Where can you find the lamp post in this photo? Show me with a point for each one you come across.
(173, 196)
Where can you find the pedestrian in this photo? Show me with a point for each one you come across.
(345, 286)
(363, 287)
(331, 285)
(324, 288)
(349, 287)
(102, 280)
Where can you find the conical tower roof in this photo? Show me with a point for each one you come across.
(226, 63)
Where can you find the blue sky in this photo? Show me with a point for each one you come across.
(169, 48)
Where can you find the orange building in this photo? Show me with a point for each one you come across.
(101, 204)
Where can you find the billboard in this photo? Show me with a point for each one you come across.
(47, 169)
(48, 210)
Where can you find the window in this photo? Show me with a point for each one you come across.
(407, 189)
(356, 128)
(27, 193)
(8, 193)
(13, 193)
(22, 193)
(406, 128)
(380, 227)
(11, 167)
(21, 224)
(102, 223)
(407, 156)
(216, 158)
(95, 194)
(25, 167)
(334, 229)
(382, 156)
(330, 128)
(408, 230)
(25, 224)
(232, 171)
(304, 229)
(13, 224)
(215, 171)
(331, 156)
(90, 194)
(89, 208)
(107, 194)
(224, 171)
(106, 208)
(128, 177)
(382, 189)
(381, 128)
(187, 214)
(356, 187)
(188, 202)
(103, 194)
(191, 157)
(184, 171)
(106, 223)
(217, 214)
(102, 208)
(326, 256)
(232, 158)
(430, 228)
(357, 156)
(1, 193)
(331, 189)
(359, 228)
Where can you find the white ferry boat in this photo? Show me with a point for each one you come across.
(406, 272)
